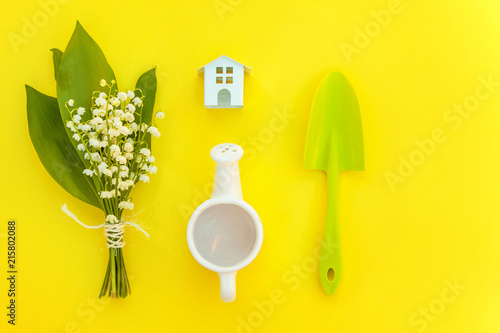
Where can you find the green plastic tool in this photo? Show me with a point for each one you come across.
(334, 144)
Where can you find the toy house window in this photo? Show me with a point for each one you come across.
(218, 79)
(229, 79)
(229, 70)
(218, 70)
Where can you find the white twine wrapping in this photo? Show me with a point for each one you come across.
(113, 232)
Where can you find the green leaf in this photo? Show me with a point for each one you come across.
(82, 67)
(56, 58)
(147, 84)
(54, 148)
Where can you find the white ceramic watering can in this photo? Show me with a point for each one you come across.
(225, 233)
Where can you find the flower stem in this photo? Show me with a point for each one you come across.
(115, 280)
(113, 272)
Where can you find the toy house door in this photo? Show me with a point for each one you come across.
(224, 98)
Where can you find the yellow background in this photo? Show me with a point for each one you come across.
(402, 245)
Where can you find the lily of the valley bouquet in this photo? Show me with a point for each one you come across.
(95, 140)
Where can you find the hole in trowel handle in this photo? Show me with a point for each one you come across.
(330, 274)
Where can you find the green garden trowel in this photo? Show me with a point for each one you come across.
(334, 144)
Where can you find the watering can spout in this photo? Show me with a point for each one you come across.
(227, 173)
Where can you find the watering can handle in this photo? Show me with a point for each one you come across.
(228, 286)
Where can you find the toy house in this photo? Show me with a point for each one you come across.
(224, 83)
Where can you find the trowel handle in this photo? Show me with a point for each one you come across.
(330, 263)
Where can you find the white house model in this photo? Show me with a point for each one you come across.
(224, 83)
